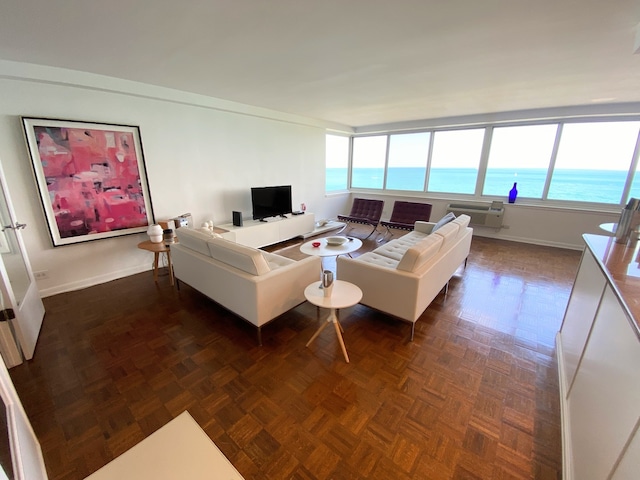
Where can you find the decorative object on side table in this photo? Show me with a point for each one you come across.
(155, 233)
(167, 236)
(327, 282)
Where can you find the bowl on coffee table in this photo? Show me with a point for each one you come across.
(336, 241)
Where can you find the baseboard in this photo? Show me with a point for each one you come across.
(91, 281)
(531, 241)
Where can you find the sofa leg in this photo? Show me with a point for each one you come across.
(260, 336)
(413, 329)
(465, 262)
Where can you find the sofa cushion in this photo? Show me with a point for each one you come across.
(412, 238)
(420, 253)
(194, 240)
(394, 249)
(449, 217)
(209, 233)
(449, 233)
(377, 259)
(463, 222)
(244, 258)
(276, 261)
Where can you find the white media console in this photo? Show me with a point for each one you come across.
(255, 233)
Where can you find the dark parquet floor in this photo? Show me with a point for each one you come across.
(474, 396)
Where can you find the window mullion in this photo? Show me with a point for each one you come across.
(386, 164)
(484, 159)
(632, 171)
(429, 154)
(552, 161)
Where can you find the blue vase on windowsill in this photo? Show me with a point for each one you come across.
(513, 193)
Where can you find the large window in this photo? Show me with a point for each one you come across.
(369, 155)
(519, 155)
(593, 162)
(408, 155)
(337, 163)
(455, 161)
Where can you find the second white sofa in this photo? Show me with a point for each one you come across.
(255, 285)
(403, 276)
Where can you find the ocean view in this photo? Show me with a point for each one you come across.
(599, 186)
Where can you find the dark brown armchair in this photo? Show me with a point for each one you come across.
(364, 211)
(405, 215)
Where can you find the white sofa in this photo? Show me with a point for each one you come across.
(403, 276)
(255, 285)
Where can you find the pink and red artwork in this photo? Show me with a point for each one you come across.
(91, 178)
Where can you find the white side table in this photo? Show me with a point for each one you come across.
(326, 250)
(610, 228)
(343, 295)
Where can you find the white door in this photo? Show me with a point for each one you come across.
(20, 455)
(19, 294)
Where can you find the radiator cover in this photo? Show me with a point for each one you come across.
(483, 215)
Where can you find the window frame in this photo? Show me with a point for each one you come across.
(488, 127)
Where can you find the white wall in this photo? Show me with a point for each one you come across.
(202, 156)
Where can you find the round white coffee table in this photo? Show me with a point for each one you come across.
(326, 250)
(343, 295)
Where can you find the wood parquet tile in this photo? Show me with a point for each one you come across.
(474, 396)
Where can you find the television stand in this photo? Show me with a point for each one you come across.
(260, 233)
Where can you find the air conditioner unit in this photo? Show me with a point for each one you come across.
(482, 215)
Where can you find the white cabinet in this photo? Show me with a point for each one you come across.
(581, 310)
(604, 401)
(599, 367)
(254, 233)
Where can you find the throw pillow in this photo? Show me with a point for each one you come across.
(443, 221)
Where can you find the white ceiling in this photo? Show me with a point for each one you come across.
(355, 62)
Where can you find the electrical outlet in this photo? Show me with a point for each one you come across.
(41, 275)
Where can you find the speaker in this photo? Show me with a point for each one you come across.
(237, 218)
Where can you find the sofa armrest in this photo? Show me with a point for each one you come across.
(383, 288)
(424, 227)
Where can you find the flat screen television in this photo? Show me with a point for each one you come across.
(271, 201)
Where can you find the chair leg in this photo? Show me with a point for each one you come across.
(375, 227)
(384, 235)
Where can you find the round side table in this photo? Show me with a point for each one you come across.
(343, 295)
(157, 249)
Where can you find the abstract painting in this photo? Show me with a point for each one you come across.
(91, 178)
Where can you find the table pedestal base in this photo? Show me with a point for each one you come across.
(332, 318)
